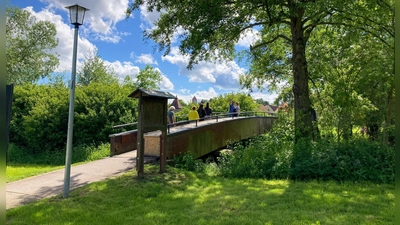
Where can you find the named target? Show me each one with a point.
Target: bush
(357, 161)
(188, 162)
(275, 156)
(40, 115)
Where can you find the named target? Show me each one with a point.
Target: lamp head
(76, 14)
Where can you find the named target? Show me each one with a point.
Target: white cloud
(184, 91)
(248, 37)
(184, 95)
(146, 59)
(266, 96)
(222, 75)
(101, 17)
(166, 84)
(206, 94)
(124, 69)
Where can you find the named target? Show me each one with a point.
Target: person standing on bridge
(208, 111)
(201, 111)
(231, 108)
(237, 109)
(193, 114)
(171, 115)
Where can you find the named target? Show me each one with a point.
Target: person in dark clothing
(201, 111)
(208, 111)
(231, 108)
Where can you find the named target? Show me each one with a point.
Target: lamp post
(76, 15)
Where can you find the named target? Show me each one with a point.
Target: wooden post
(140, 141)
(163, 155)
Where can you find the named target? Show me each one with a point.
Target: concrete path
(51, 184)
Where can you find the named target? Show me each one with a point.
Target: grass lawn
(16, 171)
(182, 197)
(32, 165)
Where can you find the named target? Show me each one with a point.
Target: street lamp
(76, 15)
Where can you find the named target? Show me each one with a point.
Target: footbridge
(196, 137)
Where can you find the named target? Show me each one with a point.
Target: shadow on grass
(180, 197)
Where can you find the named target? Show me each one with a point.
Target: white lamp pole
(76, 15)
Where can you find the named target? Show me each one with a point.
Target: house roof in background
(176, 103)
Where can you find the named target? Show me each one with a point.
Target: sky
(120, 43)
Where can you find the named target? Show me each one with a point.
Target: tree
(221, 102)
(210, 30)
(352, 60)
(262, 101)
(28, 47)
(94, 70)
(149, 78)
(339, 79)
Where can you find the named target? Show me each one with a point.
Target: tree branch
(271, 41)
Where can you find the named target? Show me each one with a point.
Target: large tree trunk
(302, 106)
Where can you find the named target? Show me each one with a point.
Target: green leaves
(149, 78)
(28, 45)
(94, 70)
(40, 115)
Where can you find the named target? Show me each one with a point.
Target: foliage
(262, 101)
(98, 108)
(275, 156)
(94, 70)
(40, 115)
(209, 30)
(221, 102)
(28, 47)
(188, 162)
(149, 78)
(342, 75)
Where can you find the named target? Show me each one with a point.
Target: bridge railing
(216, 116)
(220, 115)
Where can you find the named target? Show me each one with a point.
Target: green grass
(23, 164)
(182, 197)
(16, 172)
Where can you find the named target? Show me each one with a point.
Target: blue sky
(120, 44)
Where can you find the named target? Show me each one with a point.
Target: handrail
(220, 115)
(124, 125)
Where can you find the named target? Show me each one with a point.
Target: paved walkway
(51, 184)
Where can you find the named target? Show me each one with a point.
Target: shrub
(40, 115)
(357, 161)
(275, 156)
(188, 162)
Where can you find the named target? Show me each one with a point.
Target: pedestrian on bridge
(237, 109)
(231, 108)
(208, 111)
(171, 115)
(193, 114)
(202, 112)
